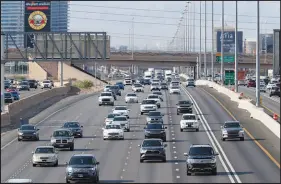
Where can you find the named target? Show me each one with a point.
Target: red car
(10, 89)
(251, 83)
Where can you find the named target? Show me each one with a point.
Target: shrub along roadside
(85, 84)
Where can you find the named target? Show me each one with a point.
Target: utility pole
(185, 29)
(212, 55)
(205, 45)
(222, 44)
(258, 57)
(189, 26)
(194, 27)
(133, 38)
(200, 44)
(236, 46)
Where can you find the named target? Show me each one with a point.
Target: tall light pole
(133, 38)
(212, 55)
(194, 27)
(222, 43)
(189, 26)
(205, 45)
(258, 57)
(200, 44)
(236, 46)
(185, 29)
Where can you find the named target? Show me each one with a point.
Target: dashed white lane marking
(172, 130)
(175, 157)
(121, 177)
(123, 170)
(174, 142)
(134, 135)
(178, 177)
(177, 169)
(130, 147)
(173, 134)
(176, 163)
(83, 152)
(173, 138)
(174, 147)
(175, 152)
(126, 163)
(127, 158)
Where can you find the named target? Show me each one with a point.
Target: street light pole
(258, 57)
(194, 27)
(133, 38)
(236, 46)
(212, 55)
(185, 30)
(200, 44)
(205, 45)
(222, 43)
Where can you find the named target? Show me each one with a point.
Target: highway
(119, 160)
(272, 104)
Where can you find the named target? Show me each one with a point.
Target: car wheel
(104, 139)
(112, 104)
(178, 113)
(97, 179)
(165, 139)
(141, 113)
(71, 147)
(214, 171)
(99, 104)
(164, 160)
(19, 139)
(223, 139)
(57, 163)
(242, 139)
(181, 130)
(33, 165)
(187, 172)
(66, 180)
(128, 130)
(37, 138)
(126, 102)
(197, 129)
(81, 136)
(141, 160)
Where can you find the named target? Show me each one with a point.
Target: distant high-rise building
(123, 48)
(266, 43)
(250, 46)
(59, 16)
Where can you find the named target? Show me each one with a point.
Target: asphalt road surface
(119, 160)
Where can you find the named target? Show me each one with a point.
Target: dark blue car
(120, 84)
(15, 95)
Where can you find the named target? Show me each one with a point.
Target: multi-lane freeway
(239, 161)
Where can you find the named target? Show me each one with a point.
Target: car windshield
(61, 134)
(111, 116)
(31, 81)
(201, 151)
(107, 86)
(29, 127)
(190, 80)
(175, 87)
(105, 94)
(131, 94)
(232, 125)
(112, 127)
(119, 83)
(138, 85)
(152, 96)
(120, 119)
(148, 102)
(154, 84)
(154, 126)
(189, 117)
(154, 114)
(7, 95)
(163, 84)
(14, 93)
(71, 125)
(120, 108)
(81, 160)
(149, 143)
(157, 93)
(23, 83)
(174, 82)
(184, 102)
(114, 87)
(46, 81)
(45, 150)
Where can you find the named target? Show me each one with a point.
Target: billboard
(276, 64)
(229, 41)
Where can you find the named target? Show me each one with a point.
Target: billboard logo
(37, 20)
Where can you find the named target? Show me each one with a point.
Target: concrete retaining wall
(5, 119)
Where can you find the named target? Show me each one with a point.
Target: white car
(189, 121)
(137, 88)
(122, 110)
(262, 88)
(45, 155)
(160, 95)
(131, 98)
(113, 131)
(155, 98)
(128, 81)
(106, 98)
(123, 121)
(155, 86)
(106, 88)
(110, 117)
(174, 89)
(46, 84)
(270, 86)
(148, 105)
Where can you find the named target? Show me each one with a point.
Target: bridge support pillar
(108, 69)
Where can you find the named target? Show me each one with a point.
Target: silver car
(232, 130)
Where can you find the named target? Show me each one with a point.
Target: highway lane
(249, 161)
(271, 103)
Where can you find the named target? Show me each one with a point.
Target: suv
(152, 149)
(190, 82)
(106, 98)
(45, 155)
(75, 128)
(155, 86)
(115, 89)
(32, 84)
(159, 93)
(155, 130)
(275, 91)
(62, 138)
(155, 98)
(251, 83)
(147, 106)
(189, 122)
(184, 106)
(232, 130)
(8, 97)
(82, 167)
(47, 84)
(202, 158)
(154, 116)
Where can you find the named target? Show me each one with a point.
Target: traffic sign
(226, 59)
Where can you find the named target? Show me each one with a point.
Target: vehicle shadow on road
(177, 141)
(117, 181)
(238, 173)
(174, 161)
(85, 149)
(234, 140)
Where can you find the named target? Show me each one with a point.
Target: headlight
(143, 151)
(213, 160)
(20, 133)
(69, 169)
(53, 140)
(241, 131)
(224, 132)
(34, 133)
(100, 100)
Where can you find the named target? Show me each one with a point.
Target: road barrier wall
(256, 112)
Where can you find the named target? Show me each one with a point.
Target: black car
(28, 132)
(164, 85)
(8, 97)
(82, 168)
(24, 85)
(275, 92)
(184, 106)
(154, 115)
(32, 84)
(146, 82)
(115, 89)
(155, 130)
(152, 149)
(75, 128)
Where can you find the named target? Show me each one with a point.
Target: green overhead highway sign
(226, 59)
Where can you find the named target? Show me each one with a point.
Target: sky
(156, 29)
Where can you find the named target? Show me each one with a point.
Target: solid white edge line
(209, 136)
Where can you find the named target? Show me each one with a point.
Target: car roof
(71, 122)
(45, 147)
(28, 125)
(81, 155)
(189, 114)
(131, 94)
(120, 106)
(121, 116)
(154, 139)
(231, 122)
(200, 145)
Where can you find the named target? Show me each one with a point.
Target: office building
(250, 46)
(59, 16)
(266, 44)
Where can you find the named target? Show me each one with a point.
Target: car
(270, 86)
(123, 121)
(110, 117)
(159, 121)
(106, 88)
(28, 132)
(120, 84)
(175, 83)
(148, 105)
(62, 138)
(174, 90)
(106, 98)
(131, 98)
(18, 180)
(262, 88)
(160, 95)
(251, 83)
(75, 128)
(189, 122)
(275, 91)
(155, 130)
(155, 81)
(115, 90)
(156, 98)
(241, 83)
(232, 130)
(122, 110)
(45, 155)
(8, 98)
(190, 82)
(128, 81)
(164, 86)
(155, 86)
(154, 115)
(202, 158)
(7, 84)
(15, 95)
(152, 149)
(184, 106)
(32, 84)
(46, 84)
(83, 168)
(23, 86)
(11, 88)
(137, 88)
(113, 131)
(146, 82)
